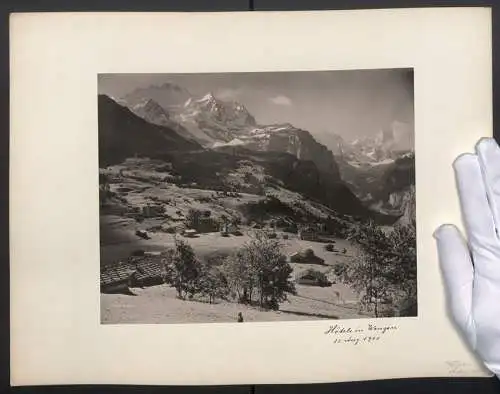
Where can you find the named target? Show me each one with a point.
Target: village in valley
(212, 224)
(207, 216)
(143, 216)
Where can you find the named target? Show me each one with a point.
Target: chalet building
(151, 211)
(148, 272)
(312, 278)
(306, 256)
(308, 233)
(228, 228)
(190, 233)
(207, 225)
(138, 271)
(307, 279)
(142, 234)
(117, 279)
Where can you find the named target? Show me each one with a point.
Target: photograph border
(139, 88)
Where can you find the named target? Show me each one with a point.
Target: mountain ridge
(123, 134)
(213, 123)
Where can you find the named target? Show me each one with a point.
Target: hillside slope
(123, 134)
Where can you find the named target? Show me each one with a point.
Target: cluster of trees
(265, 209)
(201, 221)
(257, 273)
(337, 227)
(385, 273)
(191, 276)
(194, 217)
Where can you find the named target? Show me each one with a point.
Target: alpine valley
(174, 165)
(205, 136)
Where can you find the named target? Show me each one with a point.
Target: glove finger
(476, 211)
(458, 272)
(488, 153)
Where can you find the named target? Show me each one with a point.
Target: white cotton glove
(472, 271)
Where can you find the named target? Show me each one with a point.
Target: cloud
(281, 100)
(228, 94)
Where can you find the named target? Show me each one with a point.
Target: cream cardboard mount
(56, 333)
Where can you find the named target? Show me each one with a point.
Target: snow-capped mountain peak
(386, 145)
(210, 103)
(208, 98)
(148, 104)
(151, 111)
(215, 115)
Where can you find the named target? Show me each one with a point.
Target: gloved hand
(472, 270)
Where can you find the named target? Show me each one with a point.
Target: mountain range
(214, 123)
(380, 170)
(168, 120)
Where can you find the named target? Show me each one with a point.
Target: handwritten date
(358, 335)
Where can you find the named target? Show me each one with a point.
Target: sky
(350, 103)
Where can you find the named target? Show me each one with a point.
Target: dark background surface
(406, 386)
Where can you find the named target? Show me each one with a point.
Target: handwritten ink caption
(362, 334)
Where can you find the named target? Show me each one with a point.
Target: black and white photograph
(257, 197)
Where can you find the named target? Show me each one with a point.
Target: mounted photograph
(257, 197)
